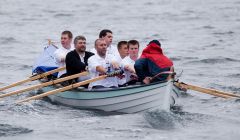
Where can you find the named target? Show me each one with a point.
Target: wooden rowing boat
(131, 99)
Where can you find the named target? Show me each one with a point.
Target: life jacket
(154, 53)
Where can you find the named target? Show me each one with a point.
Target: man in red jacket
(152, 62)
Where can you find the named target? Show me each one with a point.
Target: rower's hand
(129, 68)
(115, 65)
(134, 76)
(147, 80)
(121, 76)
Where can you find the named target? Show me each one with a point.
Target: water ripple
(63, 15)
(208, 27)
(9, 130)
(236, 75)
(8, 40)
(160, 119)
(227, 88)
(224, 33)
(215, 60)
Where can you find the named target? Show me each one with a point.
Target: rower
(122, 53)
(128, 62)
(102, 63)
(60, 54)
(152, 62)
(107, 36)
(77, 60)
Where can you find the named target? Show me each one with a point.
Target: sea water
(201, 37)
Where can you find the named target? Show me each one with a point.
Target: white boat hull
(123, 100)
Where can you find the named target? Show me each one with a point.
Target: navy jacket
(74, 64)
(146, 68)
(152, 62)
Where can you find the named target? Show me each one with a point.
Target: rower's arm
(101, 69)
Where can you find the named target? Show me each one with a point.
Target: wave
(183, 58)
(172, 120)
(227, 88)
(236, 75)
(8, 40)
(9, 130)
(208, 27)
(63, 15)
(160, 119)
(215, 60)
(224, 33)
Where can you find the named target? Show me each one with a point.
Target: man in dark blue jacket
(152, 62)
(77, 60)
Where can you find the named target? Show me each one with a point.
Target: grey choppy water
(202, 37)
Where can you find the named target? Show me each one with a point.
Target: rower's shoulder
(72, 53)
(89, 53)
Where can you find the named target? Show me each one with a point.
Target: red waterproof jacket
(155, 54)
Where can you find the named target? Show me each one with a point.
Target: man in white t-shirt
(122, 53)
(102, 63)
(107, 35)
(122, 50)
(129, 61)
(60, 54)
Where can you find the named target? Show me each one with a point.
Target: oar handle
(163, 73)
(115, 73)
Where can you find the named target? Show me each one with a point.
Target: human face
(108, 38)
(133, 50)
(80, 46)
(66, 41)
(101, 48)
(123, 51)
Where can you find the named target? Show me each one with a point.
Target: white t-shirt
(122, 80)
(112, 50)
(60, 54)
(127, 61)
(95, 61)
(93, 50)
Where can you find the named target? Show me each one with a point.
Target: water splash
(160, 119)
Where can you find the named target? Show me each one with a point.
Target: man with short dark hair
(107, 36)
(60, 53)
(77, 60)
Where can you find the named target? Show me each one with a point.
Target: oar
(69, 87)
(32, 78)
(157, 75)
(163, 73)
(206, 90)
(62, 89)
(45, 84)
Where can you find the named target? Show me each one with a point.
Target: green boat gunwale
(119, 88)
(87, 94)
